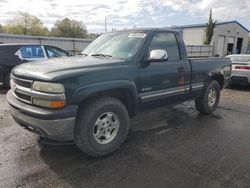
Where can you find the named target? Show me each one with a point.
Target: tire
(7, 80)
(229, 84)
(90, 126)
(206, 103)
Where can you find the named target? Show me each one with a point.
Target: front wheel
(102, 126)
(208, 101)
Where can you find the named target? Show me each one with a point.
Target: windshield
(241, 59)
(118, 45)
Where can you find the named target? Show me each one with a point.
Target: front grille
(19, 86)
(23, 97)
(22, 82)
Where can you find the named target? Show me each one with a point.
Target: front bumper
(54, 124)
(240, 79)
(240, 76)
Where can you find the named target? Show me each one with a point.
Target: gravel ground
(168, 147)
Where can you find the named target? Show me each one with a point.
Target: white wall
(193, 36)
(231, 31)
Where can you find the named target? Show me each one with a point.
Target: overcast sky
(129, 13)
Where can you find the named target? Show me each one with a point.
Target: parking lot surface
(169, 147)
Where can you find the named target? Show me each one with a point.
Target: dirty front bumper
(54, 124)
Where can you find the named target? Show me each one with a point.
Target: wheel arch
(217, 77)
(126, 92)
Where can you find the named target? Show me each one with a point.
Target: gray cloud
(96, 7)
(127, 13)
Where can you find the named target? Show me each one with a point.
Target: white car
(240, 69)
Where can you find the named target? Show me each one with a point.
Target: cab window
(55, 52)
(32, 52)
(166, 41)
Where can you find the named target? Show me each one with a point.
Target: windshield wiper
(102, 55)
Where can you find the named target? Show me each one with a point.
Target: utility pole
(105, 24)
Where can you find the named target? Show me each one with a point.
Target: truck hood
(62, 67)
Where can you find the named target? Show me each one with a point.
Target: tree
(69, 28)
(26, 24)
(209, 30)
(1, 28)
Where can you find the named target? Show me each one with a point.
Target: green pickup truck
(89, 99)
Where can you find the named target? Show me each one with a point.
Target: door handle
(181, 69)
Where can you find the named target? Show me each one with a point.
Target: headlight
(48, 87)
(53, 90)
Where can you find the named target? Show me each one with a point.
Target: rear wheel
(208, 101)
(101, 126)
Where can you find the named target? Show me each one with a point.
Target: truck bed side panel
(204, 69)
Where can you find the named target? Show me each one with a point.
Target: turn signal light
(57, 104)
(49, 104)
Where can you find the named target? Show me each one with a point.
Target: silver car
(240, 69)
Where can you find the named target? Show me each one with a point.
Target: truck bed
(209, 66)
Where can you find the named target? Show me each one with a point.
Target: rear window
(55, 52)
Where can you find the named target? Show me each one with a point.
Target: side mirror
(158, 56)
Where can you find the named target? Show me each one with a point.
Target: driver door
(167, 78)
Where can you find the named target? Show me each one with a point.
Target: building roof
(204, 25)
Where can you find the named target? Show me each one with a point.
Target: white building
(229, 37)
